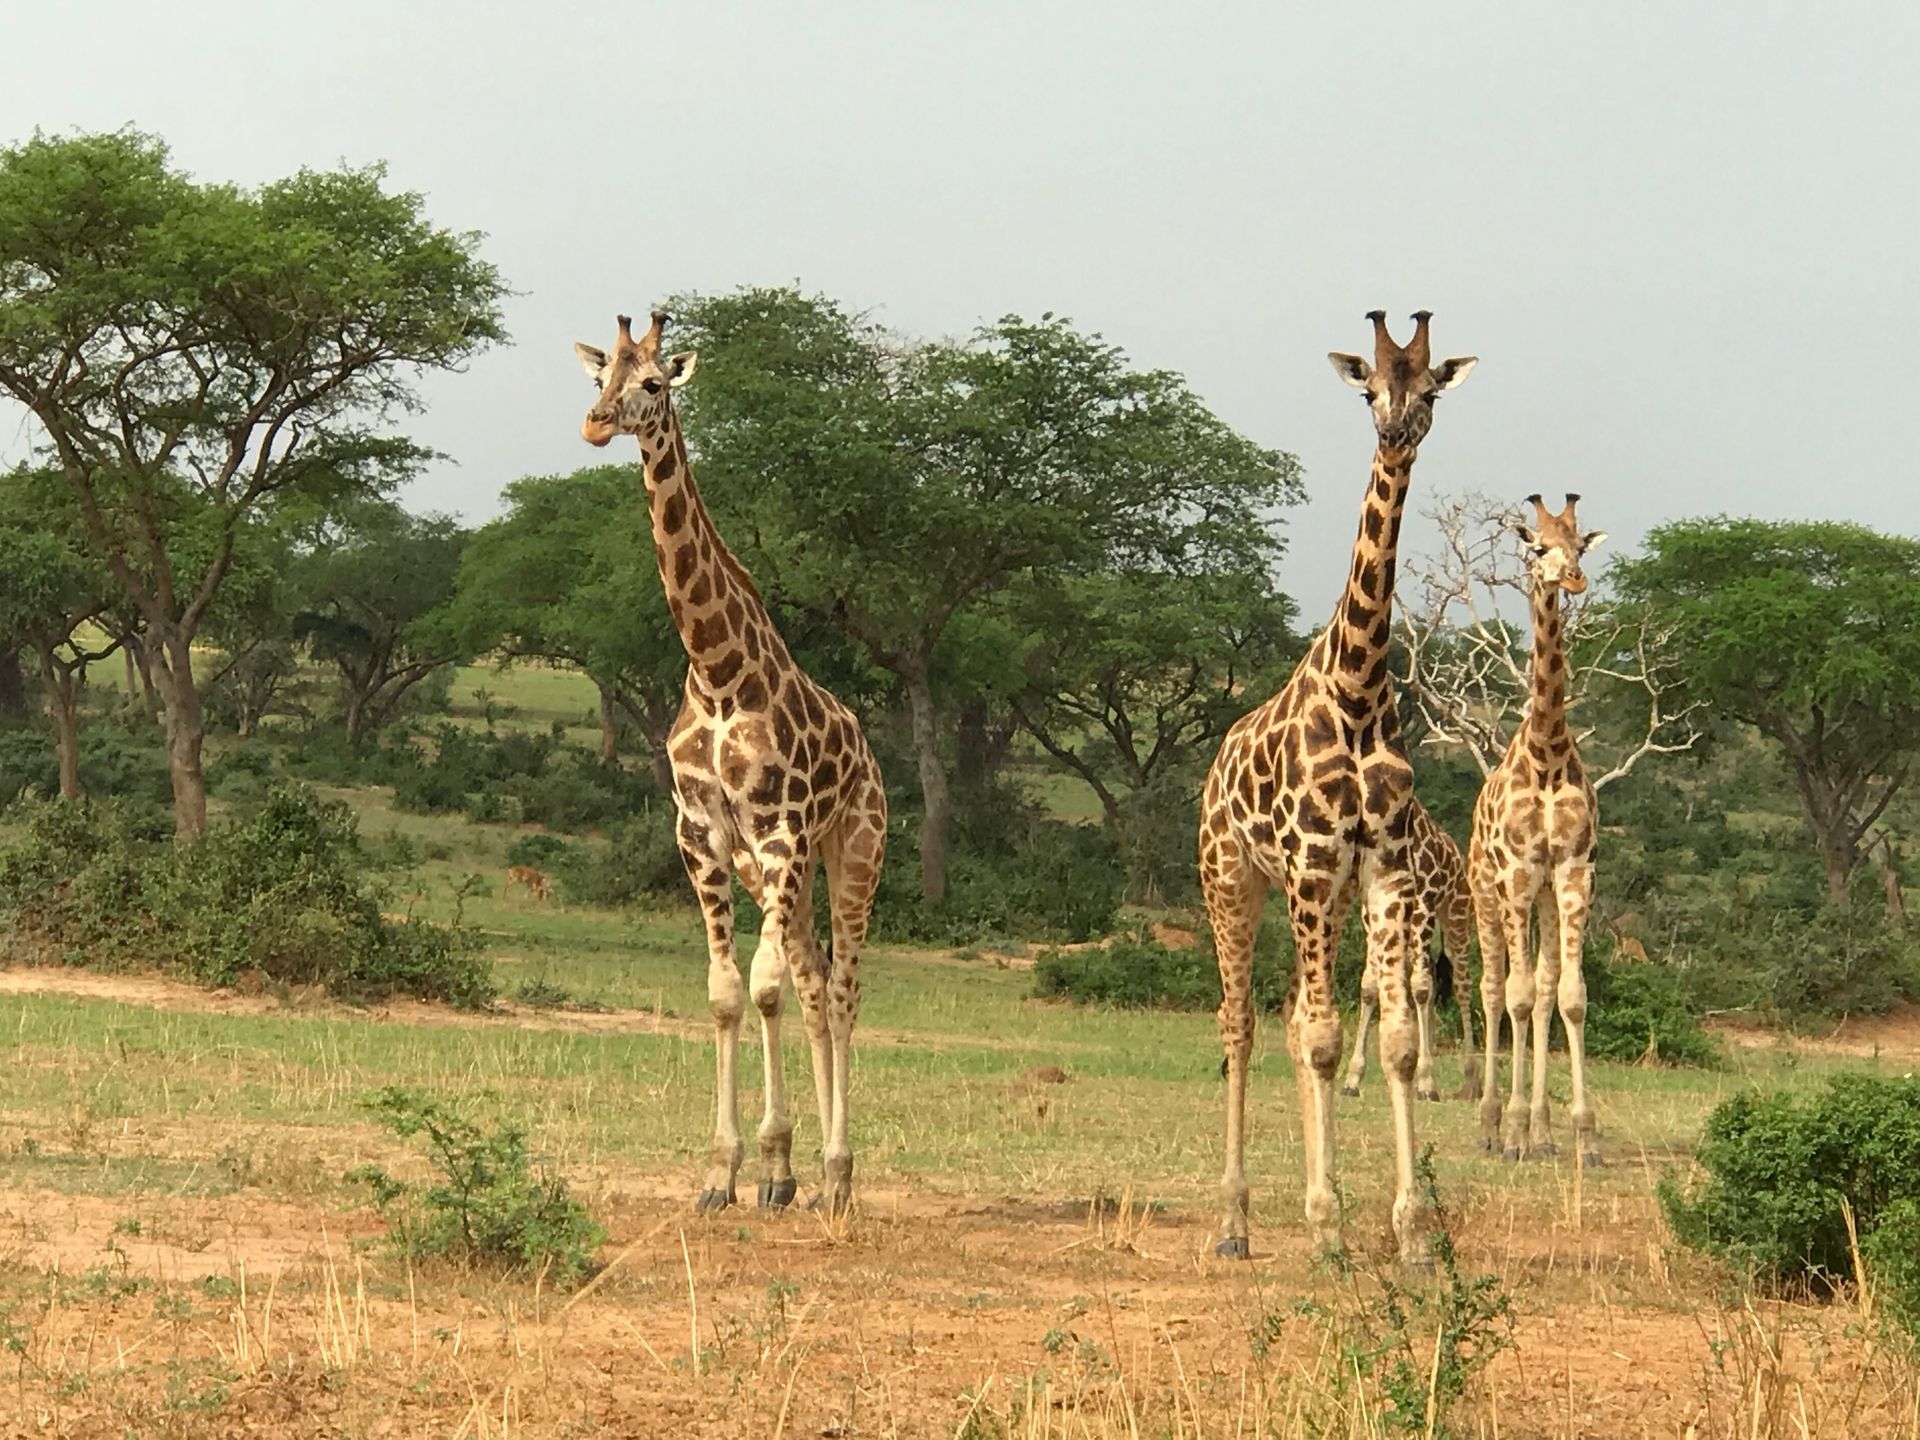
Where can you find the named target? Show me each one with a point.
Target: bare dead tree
(1463, 622)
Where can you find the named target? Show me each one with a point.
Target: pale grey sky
(1680, 238)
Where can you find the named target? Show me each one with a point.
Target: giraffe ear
(1526, 534)
(1449, 373)
(1591, 539)
(591, 360)
(680, 368)
(1350, 368)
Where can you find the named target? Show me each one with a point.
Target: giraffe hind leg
(1235, 894)
(854, 854)
(726, 1000)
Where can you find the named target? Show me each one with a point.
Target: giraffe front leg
(1235, 894)
(1519, 999)
(783, 897)
(1574, 889)
(726, 1000)
(1547, 975)
(1392, 927)
(1421, 978)
(1369, 1004)
(1493, 979)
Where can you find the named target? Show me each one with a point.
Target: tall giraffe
(1443, 902)
(1532, 849)
(1313, 791)
(771, 776)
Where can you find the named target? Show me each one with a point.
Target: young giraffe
(1312, 791)
(1532, 848)
(771, 775)
(1442, 901)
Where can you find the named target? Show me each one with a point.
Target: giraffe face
(634, 382)
(1555, 546)
(1401, 393)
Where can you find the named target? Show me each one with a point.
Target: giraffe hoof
(1593, 1161)
(1545, 1150)
(1350, 1091)
(1234, 1247)
(1510, 1153)
(778, 1194)
(1418, 1267)
(1426, 1094)
(713, 1200)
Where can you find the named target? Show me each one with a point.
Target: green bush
(543, 852)
(1638, 1012)
(1012, 872)
(488, 1205)
(1892, 1252)
(1778, 1166)
(114, 763)
(639, 861)
(1134, 970)
(518, 776)
(285, 891)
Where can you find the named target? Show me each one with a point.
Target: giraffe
(1442, 901)
(771, 777)
(1532, 850)
(1312, 791)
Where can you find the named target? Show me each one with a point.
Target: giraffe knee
(1399, 1049)
(1573, 998)
(1320, 1045)
(726, 996)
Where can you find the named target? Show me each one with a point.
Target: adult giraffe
(1313, 792)
(771, 776)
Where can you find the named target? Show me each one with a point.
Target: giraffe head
(633, 381)
(1402, 382)
(1554, 546)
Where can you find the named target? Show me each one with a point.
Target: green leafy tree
(1810, 632)
(1132, 678)
(894, 484)
(193, 355)
(568, 575)
(51, 587)
(376, 592)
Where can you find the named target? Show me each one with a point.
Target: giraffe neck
(1357, 639)
(711, 597)
(1547, 708)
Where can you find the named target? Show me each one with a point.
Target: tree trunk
(933, 785)
(63, 709)
(609, 727)
(970, 758)
(171, 666)
(13, 688)
(1839, 868)
(1883, 857)
(133, 673)
(356, 716)
(149, 687)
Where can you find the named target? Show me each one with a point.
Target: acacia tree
(1133, 675)
(892, 484)
(1809, 631)
(193, 354)
(1468, 652)
(50, 588)
(568, 575)
(375, 588)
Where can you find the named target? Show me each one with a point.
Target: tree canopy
(1810, 632)
(194, 352)
(893, 483)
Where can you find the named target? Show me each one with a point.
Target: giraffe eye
(650, 385)
(1540, 550)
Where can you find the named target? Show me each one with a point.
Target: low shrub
(1777, 1168)
(488, 1205)
(1135, 970)
(1012, 872)
(1892, 1253)
(114, 763)
(285, 891)
(639, 861)
(542, 852)
(1639, 1012)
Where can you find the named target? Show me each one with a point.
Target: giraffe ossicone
(1531, 859)
(1313, 792)
(772, 779)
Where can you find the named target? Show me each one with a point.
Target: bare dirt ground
(919, 1315)
(965, 1316)
(1894, 1035)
